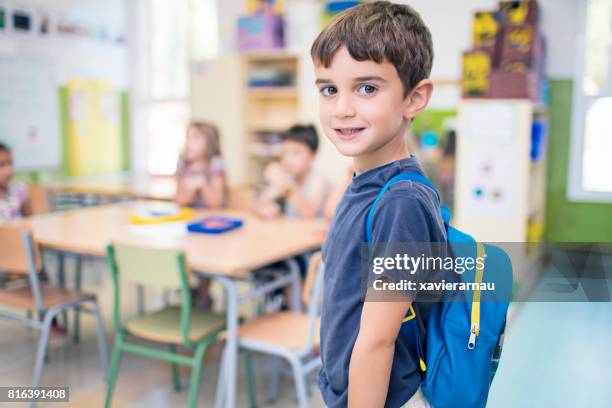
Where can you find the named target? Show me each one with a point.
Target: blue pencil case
(214, 225)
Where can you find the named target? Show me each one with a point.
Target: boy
(372, 64)
(294, 186)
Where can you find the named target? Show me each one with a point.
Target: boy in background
(372, 64)
(294, 187)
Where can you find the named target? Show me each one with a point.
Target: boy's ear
(418, 98)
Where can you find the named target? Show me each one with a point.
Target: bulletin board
(29, 113)
(94, 136)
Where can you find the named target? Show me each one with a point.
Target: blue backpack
(464, 338)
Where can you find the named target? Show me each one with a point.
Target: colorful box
(476, 73)
(261, 31)
(487, 34)
(519, 12)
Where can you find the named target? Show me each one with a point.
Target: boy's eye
(366, 89)
(328, 91)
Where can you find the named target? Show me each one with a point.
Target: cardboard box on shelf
(519, 12)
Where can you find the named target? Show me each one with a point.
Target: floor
(556, 354)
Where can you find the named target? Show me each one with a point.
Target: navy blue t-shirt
(407, 212)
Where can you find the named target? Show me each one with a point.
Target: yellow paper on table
(160, 217)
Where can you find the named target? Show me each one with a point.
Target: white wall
(70, 57)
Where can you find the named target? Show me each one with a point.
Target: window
(591, 147)
(170, 35)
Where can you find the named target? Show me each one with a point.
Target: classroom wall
(70, 57)
(569, 221)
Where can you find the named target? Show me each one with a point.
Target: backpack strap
(444, 211)
(407, 176)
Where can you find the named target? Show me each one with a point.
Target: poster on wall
(94, 137)
(29, 113)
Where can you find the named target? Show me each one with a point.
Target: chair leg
(176, 376)
(77, 312)
(114, 368)
(61, 277)
(195, 375)
(300, 381)
(41, 318)
(102, 344)
(42, 347)
(274, 379)
(248, 362)
(220, 396)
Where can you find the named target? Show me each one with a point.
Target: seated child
(294, 187)
(200, 179)
(200, 174)
(14, 201)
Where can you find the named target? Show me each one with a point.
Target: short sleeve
(21, 193)
(408, 241)
(217, 167)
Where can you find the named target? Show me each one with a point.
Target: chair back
(162, 268)
(311, 296)
(18, 253)
(39, 199)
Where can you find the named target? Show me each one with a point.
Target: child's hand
(277, 177)
(195, 182)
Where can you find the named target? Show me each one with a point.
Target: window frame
(580, 103)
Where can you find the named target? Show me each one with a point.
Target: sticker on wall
(497, 194)
(2, 18)
(487, 168)
(22, 21)
(490, 196)
(44, 25)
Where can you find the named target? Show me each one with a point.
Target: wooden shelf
(272, 92)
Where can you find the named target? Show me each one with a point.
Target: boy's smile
(362, 108)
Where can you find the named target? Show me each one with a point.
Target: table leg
(296, 285)
(61, 277)
(140, 298)
(77, 286)
(230, 359)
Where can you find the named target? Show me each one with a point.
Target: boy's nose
(344, 107)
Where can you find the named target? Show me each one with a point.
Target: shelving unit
(499, 190)
(252, 98)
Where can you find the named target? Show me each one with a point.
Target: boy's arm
(372, 356)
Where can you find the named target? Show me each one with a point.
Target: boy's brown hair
(377, 31)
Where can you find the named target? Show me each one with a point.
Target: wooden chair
(288, 335)
(39, 198)
(172, 326)
(19, 254)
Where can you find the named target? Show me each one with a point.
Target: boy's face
(362, 104)
(6, 168)
(296, 158)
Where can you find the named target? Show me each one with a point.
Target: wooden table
(224, 257)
